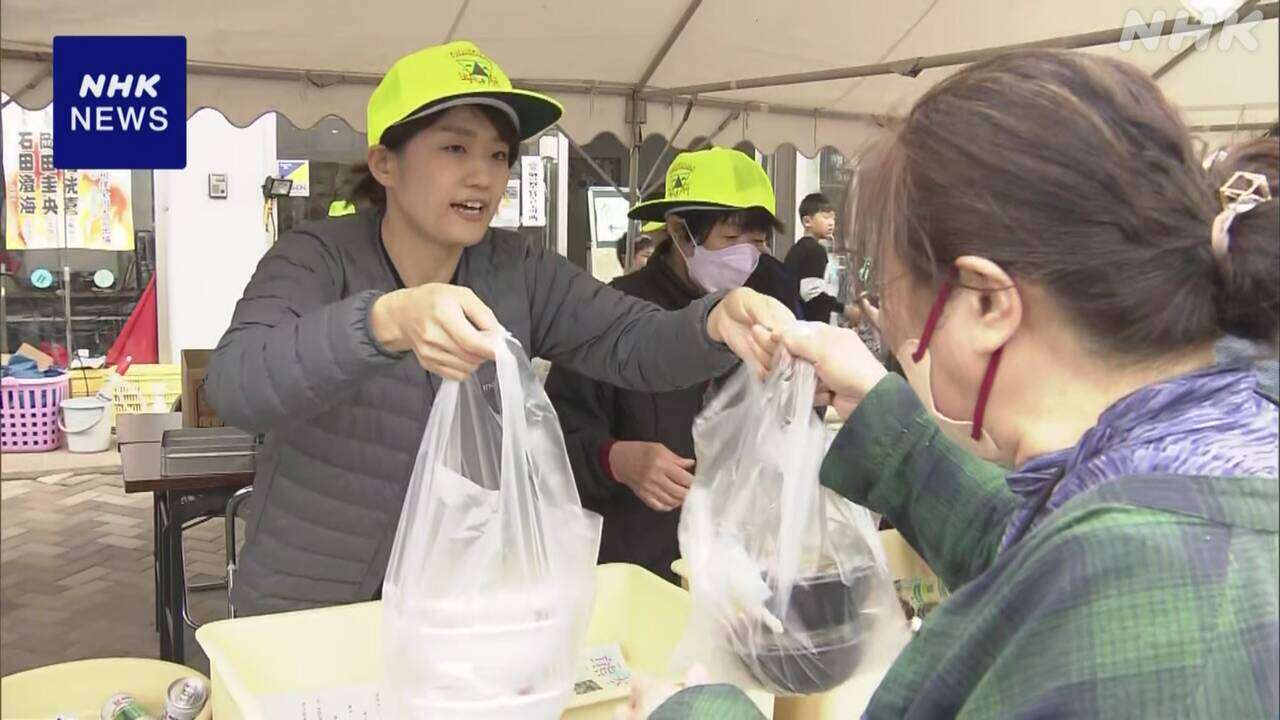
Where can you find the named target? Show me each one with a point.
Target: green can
(921, 594)
(123, 706)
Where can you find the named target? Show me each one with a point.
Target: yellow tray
(143, 384)
(80, 688)
(337, 646)
(86, 381)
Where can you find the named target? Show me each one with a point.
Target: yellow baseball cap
(654, 226)
(444, 76)
(338, 208)
(712, 179)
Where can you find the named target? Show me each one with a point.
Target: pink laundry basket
(29, 413)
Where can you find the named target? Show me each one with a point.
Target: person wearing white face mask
(632, 452)
(1056, 270)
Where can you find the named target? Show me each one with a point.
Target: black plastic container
(823, 602)
(821, 642)
(814, 663)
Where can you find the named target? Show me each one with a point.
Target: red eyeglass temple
(931, 324)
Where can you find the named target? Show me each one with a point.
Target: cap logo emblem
(679, 184)
(474, 68)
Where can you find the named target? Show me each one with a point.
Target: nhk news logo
(120, 102)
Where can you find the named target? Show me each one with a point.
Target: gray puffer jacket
(343, 418)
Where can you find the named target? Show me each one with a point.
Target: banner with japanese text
(47, 208)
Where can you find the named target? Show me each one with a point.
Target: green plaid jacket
(1143, 597)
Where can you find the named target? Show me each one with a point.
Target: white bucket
(84, 423)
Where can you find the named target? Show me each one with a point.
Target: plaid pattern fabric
(1145, 596)
(1209, 422)
(709, 702)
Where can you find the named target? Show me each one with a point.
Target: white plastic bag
(492, 576)
(790, 589)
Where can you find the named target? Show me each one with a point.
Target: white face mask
(968, 434)
(725, 269)
(959, 432)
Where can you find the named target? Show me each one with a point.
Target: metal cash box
(208, 451)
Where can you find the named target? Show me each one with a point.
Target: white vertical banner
(533, 192)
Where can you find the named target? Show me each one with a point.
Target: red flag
(138, 337)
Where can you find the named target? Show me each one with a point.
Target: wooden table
(177, 502)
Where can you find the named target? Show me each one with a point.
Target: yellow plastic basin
(338, 646)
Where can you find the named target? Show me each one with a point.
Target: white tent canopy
(308, 59)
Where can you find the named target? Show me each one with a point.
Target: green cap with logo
(437, 78)
(712, 179)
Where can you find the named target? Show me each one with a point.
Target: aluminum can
(185, 698)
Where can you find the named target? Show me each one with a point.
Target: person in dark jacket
(808, 259)
(632, 451)
(348, 326)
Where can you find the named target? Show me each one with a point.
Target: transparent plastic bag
(492, 576)
(791, 592)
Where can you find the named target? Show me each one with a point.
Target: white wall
(206, 249)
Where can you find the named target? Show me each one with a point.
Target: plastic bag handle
(517, 499)
(443, 406)
(785, 373)
(794, 381)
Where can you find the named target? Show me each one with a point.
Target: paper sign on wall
(299, 171)
(608, 215)
(533, 192)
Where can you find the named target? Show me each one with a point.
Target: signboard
(608, 215)
(533, 192)
(50, 208)
(299, 171)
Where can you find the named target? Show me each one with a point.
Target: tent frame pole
(323, 79)
(637, 111)
(591, 162)
(911, 67)
(457, 20)
(649, 182)
(667, 44)
(1231, 127)
(1242, 11)
(31, 84)
(734, 115)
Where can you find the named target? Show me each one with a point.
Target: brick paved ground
(76, 572)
